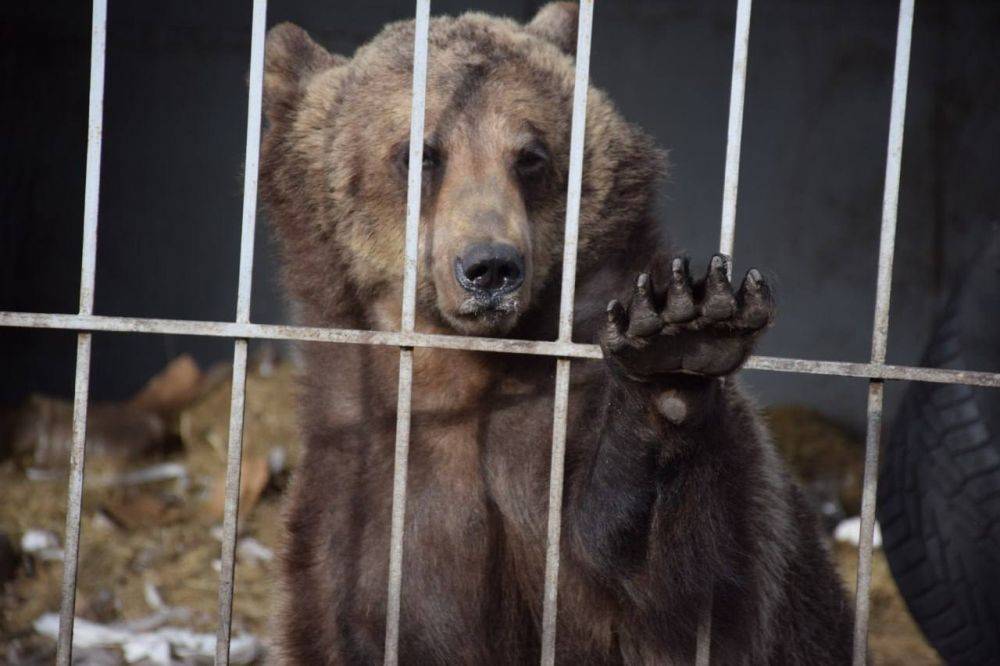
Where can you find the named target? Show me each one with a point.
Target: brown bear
(675, 500)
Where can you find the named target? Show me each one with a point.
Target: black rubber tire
(939, 491)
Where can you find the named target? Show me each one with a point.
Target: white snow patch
(849, 531)
(158, 647)
(43, 543)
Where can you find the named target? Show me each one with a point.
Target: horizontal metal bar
(873, 371)
(218, 329)
(301, 333)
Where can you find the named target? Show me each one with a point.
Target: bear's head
(495, 169)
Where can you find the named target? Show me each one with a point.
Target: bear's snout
(489, 270)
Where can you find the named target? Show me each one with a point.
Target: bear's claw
(691, 327)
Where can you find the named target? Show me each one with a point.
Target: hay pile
(164, 534)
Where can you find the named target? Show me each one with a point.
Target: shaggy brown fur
(674, 497)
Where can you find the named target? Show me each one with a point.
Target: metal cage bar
(223, 329)
(560, 405)
(406, 339)
(880, 329)
(234, 452)
(81, 386)
(727, 230)
(734, 134)
(408, 319)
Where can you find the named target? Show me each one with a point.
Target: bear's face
(492, 189)
(496, 135)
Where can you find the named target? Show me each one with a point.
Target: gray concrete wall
(810, 191)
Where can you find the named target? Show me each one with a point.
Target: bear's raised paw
(695, 328)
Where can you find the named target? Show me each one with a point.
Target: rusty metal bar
(880, 330)
(234, 452)
(407, 322)
(561, 402)
(81, 387)
(496, 345)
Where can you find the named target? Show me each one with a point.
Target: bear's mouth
(490, 306)
(496, 307)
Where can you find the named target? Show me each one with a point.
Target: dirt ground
(160, 538)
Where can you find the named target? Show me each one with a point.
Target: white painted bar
(581, 86)
(234, 453)
(734, 135)
(408, 319)
(81, 388)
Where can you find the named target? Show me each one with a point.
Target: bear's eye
(532, 160)
(432, 158)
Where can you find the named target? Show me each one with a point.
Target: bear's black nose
(490, 269)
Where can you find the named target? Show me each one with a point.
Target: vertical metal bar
(81, 388)
(407, 323)
(864, 578)
(734, 135)
(415, 172)
(575, 185)
(560, 409)
(561, 401)
(727, 232)
(893, 166)
(234, 457)
(74, 499)
(890, 205)
(403, 406)
(703, 644)
(251, 165)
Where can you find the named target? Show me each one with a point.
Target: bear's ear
(291, 58)
(556, 22)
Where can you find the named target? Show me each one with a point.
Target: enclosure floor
(161, 534)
